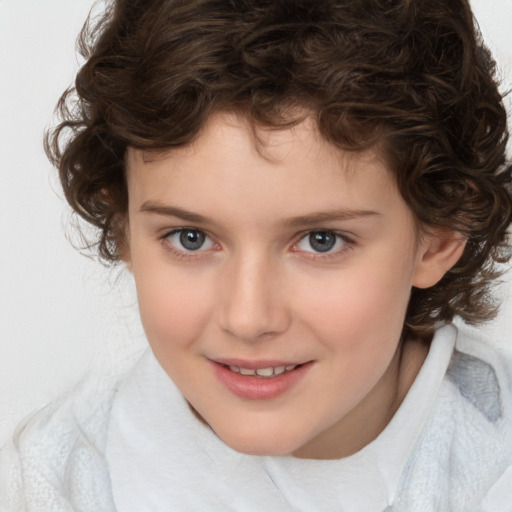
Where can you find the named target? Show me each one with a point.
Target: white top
(159, 453)
(134, 445)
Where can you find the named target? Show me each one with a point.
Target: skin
(257, 289)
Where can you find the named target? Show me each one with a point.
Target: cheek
(356, 307)
(173, 308)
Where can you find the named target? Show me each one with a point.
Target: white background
(62, 314)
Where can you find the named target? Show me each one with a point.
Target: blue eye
(321, 242)
(189, 239)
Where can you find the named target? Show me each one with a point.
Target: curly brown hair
(412, 75)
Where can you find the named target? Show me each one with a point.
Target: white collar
(161, 457)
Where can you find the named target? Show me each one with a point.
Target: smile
(264, 381)
(263, 372)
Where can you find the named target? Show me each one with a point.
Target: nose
(252, 303)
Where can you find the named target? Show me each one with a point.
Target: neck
(370, 417)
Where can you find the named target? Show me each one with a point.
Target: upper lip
(255, 364)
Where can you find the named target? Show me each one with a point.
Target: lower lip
(259, 388)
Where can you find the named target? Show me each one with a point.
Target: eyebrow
(328, 216)
(294, 222)
(172, 211)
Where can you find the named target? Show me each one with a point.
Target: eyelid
(348, 244)
(338, 237)
(183, 253)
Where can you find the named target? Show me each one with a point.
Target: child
(306, 193)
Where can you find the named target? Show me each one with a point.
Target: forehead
(273, 145)
(235, 159)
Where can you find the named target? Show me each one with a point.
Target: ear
(438, 252)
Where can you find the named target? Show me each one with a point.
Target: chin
(260, 448)
(259, 443)
(255, 442)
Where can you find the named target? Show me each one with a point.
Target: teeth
(263, 372)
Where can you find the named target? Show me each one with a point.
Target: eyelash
(183, 254)
(189, 255)
(347, 244)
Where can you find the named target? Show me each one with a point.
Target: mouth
(259, 380)
(264, 373)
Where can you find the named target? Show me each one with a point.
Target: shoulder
(463, 458)
(481, 376)
(55, 459)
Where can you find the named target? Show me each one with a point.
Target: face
(273, 282)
